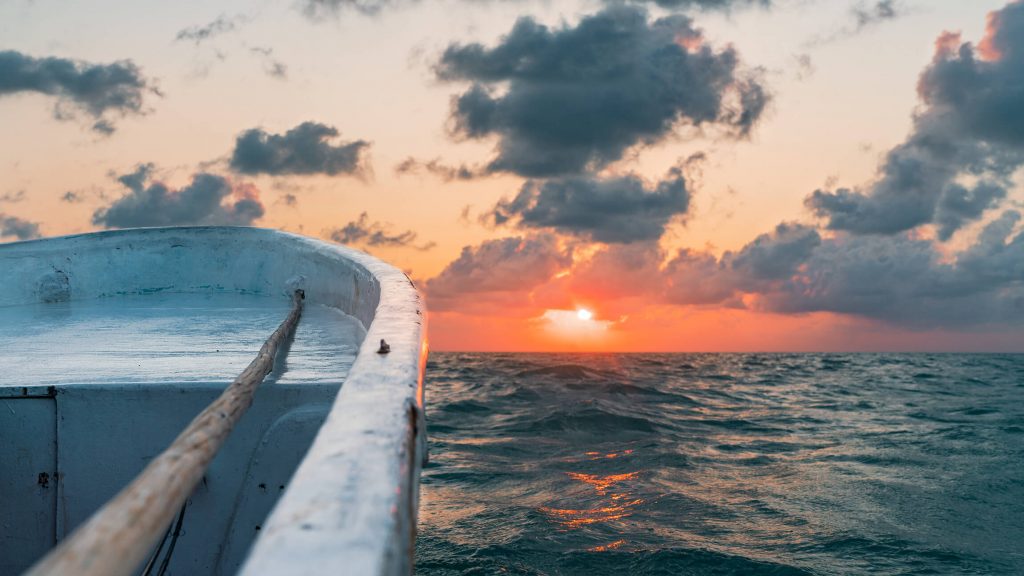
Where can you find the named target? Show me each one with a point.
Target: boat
(125, 443)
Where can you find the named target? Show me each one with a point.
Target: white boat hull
(114, 341)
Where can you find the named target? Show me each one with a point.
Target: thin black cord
(167, 559)
(152, 559)
(174, 540)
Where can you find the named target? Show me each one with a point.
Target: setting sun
(584, 314)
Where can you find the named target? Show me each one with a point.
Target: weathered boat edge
(351, 506)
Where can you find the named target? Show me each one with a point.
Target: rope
(117, 538)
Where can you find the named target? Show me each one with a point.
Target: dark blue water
(724, 464)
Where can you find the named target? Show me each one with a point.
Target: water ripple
(723, 464)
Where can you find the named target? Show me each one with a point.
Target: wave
(449, 559)
(738, 464)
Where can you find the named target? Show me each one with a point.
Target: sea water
(723, 464)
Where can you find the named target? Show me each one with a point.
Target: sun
(584, 314)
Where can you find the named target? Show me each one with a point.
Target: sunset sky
(700, 175)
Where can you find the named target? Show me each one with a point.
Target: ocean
(720, 464)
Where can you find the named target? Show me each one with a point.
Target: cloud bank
(208, 200)
(899, 280)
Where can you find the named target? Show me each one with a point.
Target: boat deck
(168, 339)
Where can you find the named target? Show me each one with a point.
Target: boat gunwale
(351, 505)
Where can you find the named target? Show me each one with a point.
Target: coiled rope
(118, 537)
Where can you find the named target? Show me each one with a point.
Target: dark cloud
(12, 226)
(698, 278)
(303, 150)
(509, 266)
(577, 98)
(621, 209)
(959, 205)
(363, 232)
(897, 279)
(775, 256)
(99, 90)
(971, 126)
(208, 200)
(903, 280)
(437, 168)
(222, 25)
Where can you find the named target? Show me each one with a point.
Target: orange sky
(840, 95)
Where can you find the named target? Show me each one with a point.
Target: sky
(644, 175)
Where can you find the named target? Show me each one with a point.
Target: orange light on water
(602, 483)
(607, 547)
(586, 517)
(614, 506)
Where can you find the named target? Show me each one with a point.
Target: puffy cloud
(619, 209)
(209, 199)
(775, 256)
(578, 97)
(699, 278)
(302, 150)
(20, 229)
(366, 233)
(504, 269)
(99, 90)
(971, 128)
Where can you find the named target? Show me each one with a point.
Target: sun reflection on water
(615, 500)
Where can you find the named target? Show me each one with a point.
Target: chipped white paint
(351, 506)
